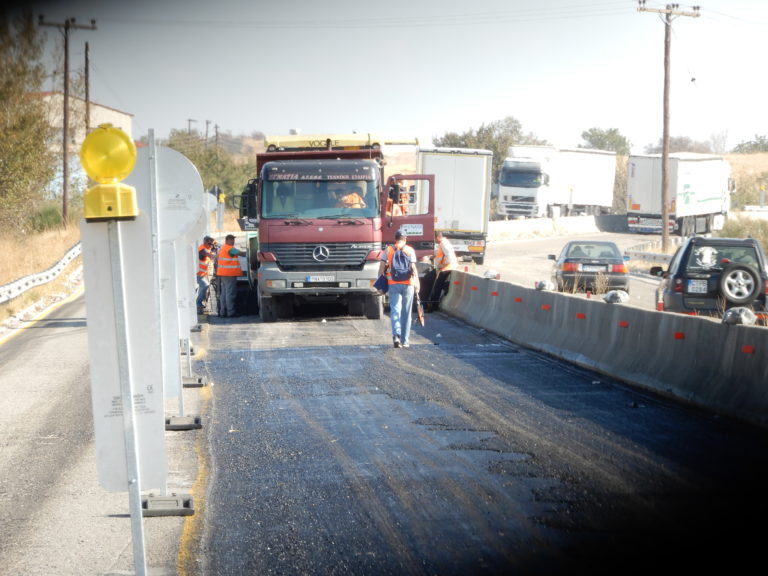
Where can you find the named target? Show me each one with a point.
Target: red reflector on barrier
(623, 324)
(748, 349)
(581, 315)
(473, 288)
(494, 293)
(518, 299)
(679, 335)
(545, 306)
(457, 282)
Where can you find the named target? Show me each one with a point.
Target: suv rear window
(707, 257)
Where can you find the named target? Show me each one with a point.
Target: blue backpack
(401, 266)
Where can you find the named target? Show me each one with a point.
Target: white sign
(143, 349)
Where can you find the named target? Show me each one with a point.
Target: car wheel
(739, 284)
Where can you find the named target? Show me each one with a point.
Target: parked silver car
(596, 266)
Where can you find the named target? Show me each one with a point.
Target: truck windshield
(518, 179)
(320, 199)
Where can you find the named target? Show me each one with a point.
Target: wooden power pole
(671, 11)
(69, 24)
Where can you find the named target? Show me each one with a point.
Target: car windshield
(320, 199)
(592, 250)
(706, 257)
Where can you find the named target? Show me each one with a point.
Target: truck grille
(341, 256)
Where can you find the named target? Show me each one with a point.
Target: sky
(423, 68)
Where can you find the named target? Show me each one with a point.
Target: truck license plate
(320, 278)
(697, 286)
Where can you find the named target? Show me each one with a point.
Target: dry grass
(33, 254)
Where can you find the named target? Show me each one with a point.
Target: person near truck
(445, 260)
(400, 291)
(228, 270)
(205, 254)
(350, 197)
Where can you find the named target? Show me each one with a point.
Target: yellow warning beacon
(108, 156)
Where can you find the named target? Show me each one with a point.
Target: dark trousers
(438, 289)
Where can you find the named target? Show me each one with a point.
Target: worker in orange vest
(205, 254)
(445, 260)
(228, 270)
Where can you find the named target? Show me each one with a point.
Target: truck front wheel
(267, 309)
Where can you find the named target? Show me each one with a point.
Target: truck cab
(317, 220)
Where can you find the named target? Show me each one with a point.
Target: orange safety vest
(202, 265)
(441, 260)
(351, 200)
(228, 265)
(390, 254)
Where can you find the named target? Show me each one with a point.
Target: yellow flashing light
(108, 156)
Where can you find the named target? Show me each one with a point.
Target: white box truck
(463, 185)
(698, 195)
(544, 181)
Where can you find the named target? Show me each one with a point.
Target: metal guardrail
(649, 251)
(18, 287)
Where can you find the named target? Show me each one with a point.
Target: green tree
(215, 165)
(759, 144)
(680, 144)
(610, 139)
(27, 159)
(496, 136)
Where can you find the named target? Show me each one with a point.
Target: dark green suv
(710, 275)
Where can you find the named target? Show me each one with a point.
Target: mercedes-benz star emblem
(321, 253)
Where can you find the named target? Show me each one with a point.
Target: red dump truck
(306, 241)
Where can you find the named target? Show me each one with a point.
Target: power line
(65, 28)
(671, 11)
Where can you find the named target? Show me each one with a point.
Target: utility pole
(671, 11)
(87, 91)
(189, 125)
(69, 24)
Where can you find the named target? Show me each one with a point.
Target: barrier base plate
(173, 505)
(194, 382)
(183, 423)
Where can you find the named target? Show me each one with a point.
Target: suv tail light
(766, 287)
(678, 285)
(620, 269)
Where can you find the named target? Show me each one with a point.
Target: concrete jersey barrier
(719, 367)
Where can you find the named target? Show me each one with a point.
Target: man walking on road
(228, 270)
(399, 263)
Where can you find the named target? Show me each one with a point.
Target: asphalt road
(325, 451)
(332, 453)
(55, 519)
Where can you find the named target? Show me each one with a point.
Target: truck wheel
(267, 310)
(479, 259)
(739, 284)
(373, 306)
